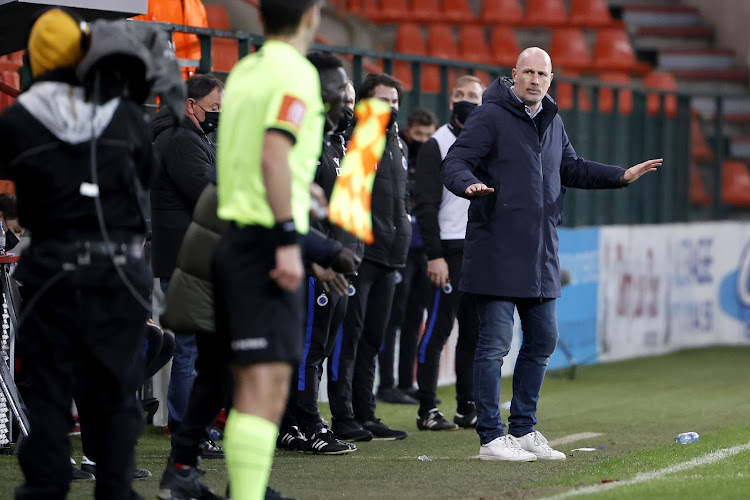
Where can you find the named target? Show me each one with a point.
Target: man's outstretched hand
(478, 189)
(635, 172)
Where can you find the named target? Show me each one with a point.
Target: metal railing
(610, 137)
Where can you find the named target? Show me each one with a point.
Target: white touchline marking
(708, 459)
(575, 437)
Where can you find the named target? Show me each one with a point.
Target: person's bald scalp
(533, 54)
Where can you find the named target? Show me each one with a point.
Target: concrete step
(661, 15)
(694, 59)
(627, 3)
(667, 37)
(706, 106)
(739, 76)
(739, 146)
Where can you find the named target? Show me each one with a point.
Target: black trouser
(407, 313)
(212, 391)
(159, 348)
(325, 315)
(78, 331)
(353, 360)
(444, 310)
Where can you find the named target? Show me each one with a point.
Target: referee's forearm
(277, 176)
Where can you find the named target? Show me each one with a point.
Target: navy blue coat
(511, 238)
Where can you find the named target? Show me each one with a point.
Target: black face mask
(462, 109)
(211, 123)
(347, 116)
(394, 117)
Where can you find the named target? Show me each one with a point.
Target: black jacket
(45, 148)
(511, 237)
(329, 168)
(391, 206)
(187, 161)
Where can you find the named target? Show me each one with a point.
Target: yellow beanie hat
(56, 41)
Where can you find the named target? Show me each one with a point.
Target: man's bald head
(532, 76)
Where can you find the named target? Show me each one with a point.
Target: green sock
(249, 444)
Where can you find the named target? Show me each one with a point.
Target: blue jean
(182, 375)
(539, 326)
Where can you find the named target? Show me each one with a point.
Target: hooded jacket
(187, 161)
(45, 148)
(390, 206)
(511, 237)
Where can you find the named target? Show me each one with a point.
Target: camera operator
(78, 168)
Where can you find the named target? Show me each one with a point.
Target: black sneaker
(435, 421)
(350, 430)
(90, 467)
(324, 442)
(395, 396)
(209, 450)
(183, 484)
(382, 432)
(468, 421)
(290, 439)
(79, 474)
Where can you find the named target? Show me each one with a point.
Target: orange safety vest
(188, 12)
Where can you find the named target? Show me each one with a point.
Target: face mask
(211, 123)
(347, 116)
(394, 117)
(462, 109)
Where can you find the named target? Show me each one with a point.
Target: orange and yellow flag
(351, 199)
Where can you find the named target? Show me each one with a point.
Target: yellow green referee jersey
(277, 89)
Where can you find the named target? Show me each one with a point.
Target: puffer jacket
(189, 302)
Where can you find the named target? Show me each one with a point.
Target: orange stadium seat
(662, 81)
(409, 40)
(735, 183)
(698, 193)
(217, 17)
(545, 13)
(590, 13)
(354, 7)
(607, 95)
(613, 52)
(699, 150)
(441, 42)
(504, 46)
(425, 11)
(389, 11)
(564, 94)
(569, 49)
(458, 12)
(501, 12)
(473, 46)
(224, 51)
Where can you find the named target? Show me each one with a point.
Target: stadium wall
(645, 290)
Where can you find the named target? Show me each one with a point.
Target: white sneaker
(505, 448)
(535, 443)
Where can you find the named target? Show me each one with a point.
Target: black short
(263, 322)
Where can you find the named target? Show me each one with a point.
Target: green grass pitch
(638, 406)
